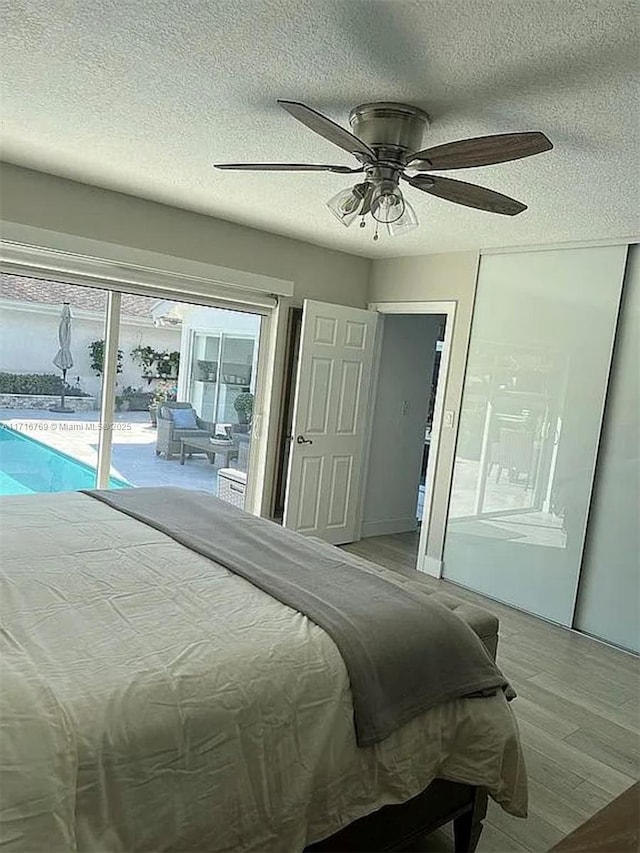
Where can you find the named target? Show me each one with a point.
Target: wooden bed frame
(395, 827)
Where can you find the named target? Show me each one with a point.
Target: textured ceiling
(142, 96)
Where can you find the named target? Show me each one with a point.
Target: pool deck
(133, 450)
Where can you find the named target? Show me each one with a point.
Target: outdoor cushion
(183, 418)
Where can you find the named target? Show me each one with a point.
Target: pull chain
(375, 236)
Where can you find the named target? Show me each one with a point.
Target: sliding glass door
(51, 366)
(176, 409)
(222, 368)
(541, 344)
(185, 392)
(203, 381)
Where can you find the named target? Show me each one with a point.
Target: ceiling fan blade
(286, 167)
(481, 151)
(470, 195)
(329, 129)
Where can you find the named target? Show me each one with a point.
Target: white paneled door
(329, 421)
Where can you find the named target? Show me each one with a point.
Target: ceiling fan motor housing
(394, 131)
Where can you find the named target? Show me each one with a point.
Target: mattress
(152, 700)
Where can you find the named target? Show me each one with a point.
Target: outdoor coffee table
(208, 446)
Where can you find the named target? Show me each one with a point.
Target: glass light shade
(407, 222)
(387, 204)
(346, 204)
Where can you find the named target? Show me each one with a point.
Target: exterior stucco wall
(29, 341)
(211, 321)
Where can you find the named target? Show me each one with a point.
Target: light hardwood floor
(578, 710)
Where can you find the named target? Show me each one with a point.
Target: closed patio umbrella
(63, 358)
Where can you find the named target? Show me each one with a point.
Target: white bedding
(151, 700)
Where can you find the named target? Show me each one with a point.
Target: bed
(152, 699)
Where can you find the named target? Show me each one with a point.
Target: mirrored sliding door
(539, 360)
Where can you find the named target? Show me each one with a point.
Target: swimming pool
(27, 467)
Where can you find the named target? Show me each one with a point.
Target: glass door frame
(255, 498)
(49, 256)
(108, 388)
(184, 383)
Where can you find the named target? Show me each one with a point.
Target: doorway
(404, 430)
(436, 354)
(403, 436)
(407, 421)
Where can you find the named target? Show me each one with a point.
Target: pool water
(27, 467)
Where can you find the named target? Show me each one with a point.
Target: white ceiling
(142, 96)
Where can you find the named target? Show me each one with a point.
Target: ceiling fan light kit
(407, 222)
(386, 142)
(346, 204)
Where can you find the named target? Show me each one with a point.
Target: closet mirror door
(539, 360)
(609, 594)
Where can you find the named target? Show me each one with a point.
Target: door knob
(302, 440)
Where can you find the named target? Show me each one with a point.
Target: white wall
(442, 277)
(609, 596)
(29, 341)
(219, 320)
(399, 421)
(132, 335)
(45, 201)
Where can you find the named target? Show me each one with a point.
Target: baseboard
(388, 527)
(431, 566)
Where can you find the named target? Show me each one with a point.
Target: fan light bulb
(387, 203)
(346, 204)
(407, 222)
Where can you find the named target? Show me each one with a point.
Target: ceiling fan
(386, 141)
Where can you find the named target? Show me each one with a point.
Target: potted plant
(164, 391)
(136, 399)
(243, 404)
(174, 362)
(167, 364)
(145, 357)
(96, 353)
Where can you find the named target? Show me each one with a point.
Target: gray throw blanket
(404, 653)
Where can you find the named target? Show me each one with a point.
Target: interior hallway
(578, 710)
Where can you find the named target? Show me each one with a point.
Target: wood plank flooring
(578, 710)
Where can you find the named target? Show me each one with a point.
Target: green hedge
(37, 384)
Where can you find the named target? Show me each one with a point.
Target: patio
(134, 459)
(133, 455)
